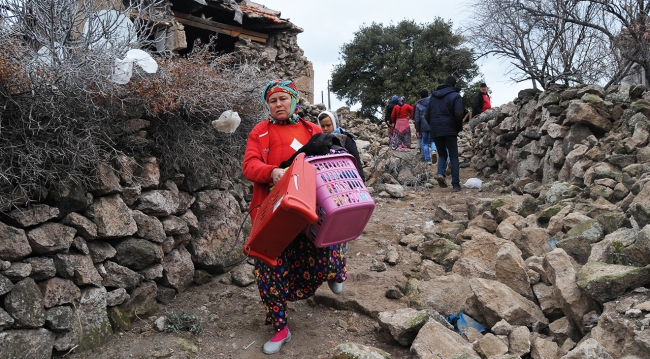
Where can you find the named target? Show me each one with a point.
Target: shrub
(61, 115)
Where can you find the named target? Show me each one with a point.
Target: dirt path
(233, 317)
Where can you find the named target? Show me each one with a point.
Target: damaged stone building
(249, 29)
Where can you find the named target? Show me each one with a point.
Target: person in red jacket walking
(402, 114)
(482, 101)
(302, 267)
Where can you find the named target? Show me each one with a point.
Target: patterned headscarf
(286, 86)
(401, 101)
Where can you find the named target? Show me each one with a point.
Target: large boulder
(445, 294)
(117, 276)
(137, 254)
(178, 269)
(142, 301)
(59, 319)
(149, 227)
(112, 217)
(157, 202)
(13, 243)
(100, 251)
(85, 227)
(26, 343)
(495, 301)
(403, 324)
(605, 282)
(354, 350)
(560, 191)
(589, 348)
(147, 172)
(511, 271)
(91, 315)
(618, 328)
(33, 215)
(640, 207)
(636, 253)
(58, 291)
(581, 113)
(219, 216)
(434, 340)
(479, 256)
(50, 238)
(25, 304)
(77, 267)
(5, 285)
(562, 275)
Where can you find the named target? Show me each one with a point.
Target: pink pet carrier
(343, 203)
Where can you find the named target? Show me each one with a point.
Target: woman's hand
(277, 174)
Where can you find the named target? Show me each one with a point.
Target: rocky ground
(232, 316)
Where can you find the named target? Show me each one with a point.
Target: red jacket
(257, 166)
(402, 111)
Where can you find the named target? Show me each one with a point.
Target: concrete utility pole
(322, 100)
(329, 106)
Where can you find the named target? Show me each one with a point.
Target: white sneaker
(336, 287)
(274, 347)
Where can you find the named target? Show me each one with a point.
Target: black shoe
(441, 181)
(456, 189)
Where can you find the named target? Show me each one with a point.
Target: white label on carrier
(295, 181)
(277, 204)
(296, 145)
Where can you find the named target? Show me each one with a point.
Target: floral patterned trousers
(301, 269)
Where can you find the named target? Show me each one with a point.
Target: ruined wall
(305, 83)
(283, 58)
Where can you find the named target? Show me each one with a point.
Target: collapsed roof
(245, 19)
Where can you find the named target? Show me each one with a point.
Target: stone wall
(590, 138)
(305, 82)
(83, 264)
(281, 57)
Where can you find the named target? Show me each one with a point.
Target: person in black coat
(481, 101)
(445, 117)
(387, 116)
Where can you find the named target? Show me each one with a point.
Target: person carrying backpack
(445, 116)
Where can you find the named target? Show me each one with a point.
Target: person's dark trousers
(447, 146)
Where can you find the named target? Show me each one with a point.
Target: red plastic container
(343, 203)
(285, 212)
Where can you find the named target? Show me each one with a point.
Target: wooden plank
(218, 30)
(230, 30)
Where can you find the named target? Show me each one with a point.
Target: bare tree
(542, 49)
(624, 23)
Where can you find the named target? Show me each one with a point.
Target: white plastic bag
(227, 122)
(473, 183)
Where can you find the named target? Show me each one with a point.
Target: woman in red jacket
(402, 114)
(302, 267)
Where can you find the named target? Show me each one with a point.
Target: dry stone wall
(86, 262)
(588, 139)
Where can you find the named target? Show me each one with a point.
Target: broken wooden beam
(217, 27)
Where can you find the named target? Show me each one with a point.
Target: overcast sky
(329, 24)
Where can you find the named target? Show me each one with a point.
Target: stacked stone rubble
(559, 266)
